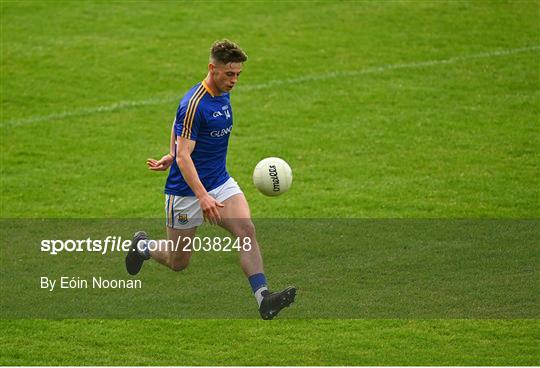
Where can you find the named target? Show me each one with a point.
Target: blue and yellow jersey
(207, 120)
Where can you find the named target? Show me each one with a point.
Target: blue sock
(258, 285)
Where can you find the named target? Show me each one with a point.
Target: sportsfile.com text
(118, 244)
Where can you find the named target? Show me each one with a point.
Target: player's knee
(245, 230)
(179, 265)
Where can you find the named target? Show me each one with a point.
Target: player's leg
(236, 218)
(175, 252)
(183, 215)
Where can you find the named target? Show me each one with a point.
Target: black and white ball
(272, 176)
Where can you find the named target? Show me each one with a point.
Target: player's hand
(160, 165)
(210, 210)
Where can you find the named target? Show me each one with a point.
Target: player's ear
(211, 67)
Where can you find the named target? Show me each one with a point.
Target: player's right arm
(209, 206)
(166, 161)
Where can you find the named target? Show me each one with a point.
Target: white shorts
(186, 213)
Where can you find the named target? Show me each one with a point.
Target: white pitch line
(124, 105)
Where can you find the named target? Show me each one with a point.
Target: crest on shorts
(182, 218)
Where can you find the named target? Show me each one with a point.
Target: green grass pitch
(385, 110)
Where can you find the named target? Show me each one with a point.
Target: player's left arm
(166, 161)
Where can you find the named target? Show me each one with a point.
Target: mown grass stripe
(125, 105)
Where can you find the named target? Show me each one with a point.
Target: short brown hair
(226, 52)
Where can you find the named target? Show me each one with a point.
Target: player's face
(226, 75)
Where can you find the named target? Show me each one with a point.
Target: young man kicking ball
(198, 185)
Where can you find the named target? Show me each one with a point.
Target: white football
(272, 176)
